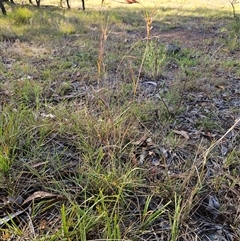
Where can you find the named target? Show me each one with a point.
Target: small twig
(216, 51)
(182, 94)
(217, 142)
(165, 105)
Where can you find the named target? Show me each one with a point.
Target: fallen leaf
(220, 87)
(43, 224)
(5, 236)
(11, 216)
(131, 1)
(142, 157)
(150, 142)
(127, 1)
(39, 195)
(141, 141)
(182, 133)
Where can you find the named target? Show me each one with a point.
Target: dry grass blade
(205, 156)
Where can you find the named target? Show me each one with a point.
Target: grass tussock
(21, 16)
(119, 125)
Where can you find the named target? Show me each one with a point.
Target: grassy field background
(120, 122)
(151, 3)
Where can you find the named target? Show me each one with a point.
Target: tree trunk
(68, 5)
(83, 5)
(38, 3)
(3, 8)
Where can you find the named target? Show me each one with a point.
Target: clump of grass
(13, 126)
(233, 37)
(207, 124)
(148, 217)
(28, 92)
(66, 27)
(175, 223)
(4, 160)
(21, 16)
